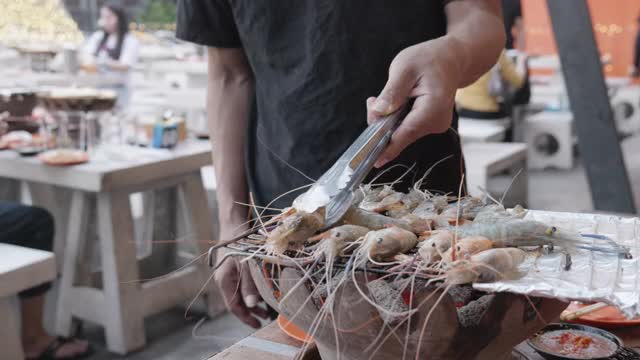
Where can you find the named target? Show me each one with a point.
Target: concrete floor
(170, 336)
(568, 190)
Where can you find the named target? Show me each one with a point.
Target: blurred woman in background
(112, 49)
(493, 96)
(485, 98)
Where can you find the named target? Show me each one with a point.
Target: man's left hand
(427, 72)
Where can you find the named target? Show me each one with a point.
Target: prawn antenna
(504, 194)
(488, 195)
(418, 184)
(385, 171)
(403, 175)
(284, 161)
(455, 232)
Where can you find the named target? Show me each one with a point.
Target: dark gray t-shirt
(315, 63)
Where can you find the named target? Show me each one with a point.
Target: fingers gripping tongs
(335, 190)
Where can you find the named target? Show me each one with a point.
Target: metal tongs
(335, 190)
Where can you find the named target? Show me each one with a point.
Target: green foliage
(158, 12)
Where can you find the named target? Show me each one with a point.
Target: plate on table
(64, 157)
(608, 317)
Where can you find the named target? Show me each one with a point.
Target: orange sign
(615, 26)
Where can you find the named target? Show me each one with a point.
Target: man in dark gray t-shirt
(293, 82)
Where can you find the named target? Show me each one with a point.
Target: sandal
(50, 352)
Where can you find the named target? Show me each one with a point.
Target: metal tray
(592, 276)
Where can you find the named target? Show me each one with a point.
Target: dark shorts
(30, 227)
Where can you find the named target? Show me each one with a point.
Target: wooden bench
(474, 130)
(482, 160)
(20, 269)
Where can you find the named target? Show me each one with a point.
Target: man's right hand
(236, 285)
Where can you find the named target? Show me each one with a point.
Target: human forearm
(475, 37)
(230, 86)
(432, 71)
(229, 91)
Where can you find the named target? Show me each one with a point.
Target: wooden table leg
(78, 218)
(124, 325)
(195, 206)
(148, 223)
(55, 200)
(51, 197)
(10, 344)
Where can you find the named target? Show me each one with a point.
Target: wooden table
(120, 305)
(271, 343)
(28, 79)
(268, 343)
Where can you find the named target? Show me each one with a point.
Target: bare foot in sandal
(38, 344)
(48, 347)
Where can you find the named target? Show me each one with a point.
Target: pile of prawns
(457, 240)
(444, 240)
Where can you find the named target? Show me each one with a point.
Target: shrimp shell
(465, 207)
(294, 230)
(430, 207)
(418, 225)
(372, 220)
(487, 266)
(387, 243)
(391, 201)
(334, 240)
(406, 205)
(438, 242)
(491, 214)
(469, 246)
(512, 233)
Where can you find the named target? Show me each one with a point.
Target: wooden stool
(625, 104)
(475, 130)
(483, 160)
(549, 137)
(20, 269)
(122, 301)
